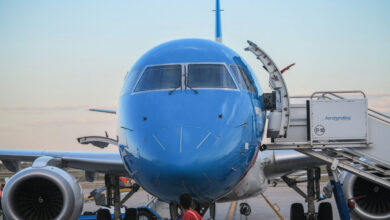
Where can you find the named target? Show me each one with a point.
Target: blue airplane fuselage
(200, 141)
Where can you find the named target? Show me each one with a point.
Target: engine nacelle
(42, 193)
(372, 201)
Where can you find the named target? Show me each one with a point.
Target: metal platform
(336, 127)
(365, 154)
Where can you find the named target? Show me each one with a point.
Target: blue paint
(218, 31)
(340, 200)
(158, 217)
(93, 217)
(187, 142)
(187, 51)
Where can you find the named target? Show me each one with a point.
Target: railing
(379, 116)
(329, 94)
(324, 93)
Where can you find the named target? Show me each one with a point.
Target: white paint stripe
(155, 138)
(203, 140)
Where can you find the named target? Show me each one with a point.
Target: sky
(59, 58)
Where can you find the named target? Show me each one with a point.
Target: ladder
(353, 164)
(366, 154)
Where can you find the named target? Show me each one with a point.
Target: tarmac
(281, 195)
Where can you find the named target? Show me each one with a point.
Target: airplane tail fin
(218, 31)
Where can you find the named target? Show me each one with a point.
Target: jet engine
(42, 193)
(372, 201)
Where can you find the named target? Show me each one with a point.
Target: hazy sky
(58, 58)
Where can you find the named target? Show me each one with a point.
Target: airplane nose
(200, 144)
(184, 159)
(183, 141)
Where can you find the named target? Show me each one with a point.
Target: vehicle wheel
(297, 212)
(325, 211)
(103, 214)
(144, 215)
(131, 214)
(245, 209)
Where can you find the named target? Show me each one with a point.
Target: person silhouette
(188, 212)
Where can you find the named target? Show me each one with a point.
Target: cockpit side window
(238, 76)
(130, 80)
(243, 78)
(160, 77)
(209, 76)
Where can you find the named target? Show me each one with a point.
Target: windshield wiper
(173, 90)
(195, 91)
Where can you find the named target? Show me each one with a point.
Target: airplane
(191, 119)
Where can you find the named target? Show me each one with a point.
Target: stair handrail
(382, 117)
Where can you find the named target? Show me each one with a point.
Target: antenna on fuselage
(218, 31)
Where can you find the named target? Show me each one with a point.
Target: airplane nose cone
(200, 144)
(184, 154)
(184, 159)
(182, 141)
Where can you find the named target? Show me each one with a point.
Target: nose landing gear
(245, 209)
(313, 194)
(297, 212)
(324, 212)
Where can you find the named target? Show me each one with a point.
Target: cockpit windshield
(160, 77)
(209, 76)
(172, 77)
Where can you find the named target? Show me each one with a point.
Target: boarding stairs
(336, 127)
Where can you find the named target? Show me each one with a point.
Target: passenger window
(243, 78)
(209, 76)
(160, 77)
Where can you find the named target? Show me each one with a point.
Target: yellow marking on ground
(273, 207)
(231, 211)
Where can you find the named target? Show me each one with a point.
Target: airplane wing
(102, 110)
(95, 162)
